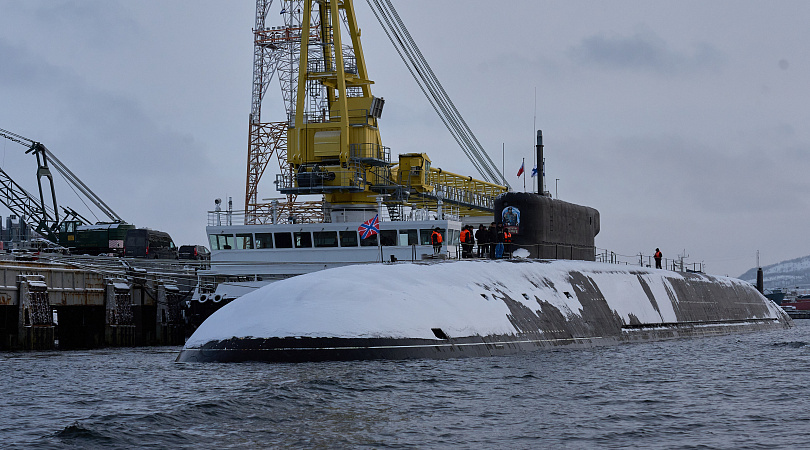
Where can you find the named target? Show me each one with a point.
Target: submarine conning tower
(548, 228)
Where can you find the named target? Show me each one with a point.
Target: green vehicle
(101, 238)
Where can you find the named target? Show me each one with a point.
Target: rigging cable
(420, 70)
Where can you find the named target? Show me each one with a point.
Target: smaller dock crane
(45, 216)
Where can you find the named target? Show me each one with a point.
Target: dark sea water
(740, 391)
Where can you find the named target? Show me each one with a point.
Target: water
(740, 391)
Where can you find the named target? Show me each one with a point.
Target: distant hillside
(786, 274)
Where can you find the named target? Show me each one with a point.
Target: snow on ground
(406, 300)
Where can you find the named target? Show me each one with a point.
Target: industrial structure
(329, 144)
(45, 216)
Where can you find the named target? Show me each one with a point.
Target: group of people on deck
(493, 242)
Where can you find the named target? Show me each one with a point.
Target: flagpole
(534, 127)
(523, 166)
(379, 235)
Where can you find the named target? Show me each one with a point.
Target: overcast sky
(683, 122)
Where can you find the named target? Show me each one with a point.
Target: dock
(81, 302)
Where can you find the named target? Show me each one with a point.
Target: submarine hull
(293, 350)
(474, 308)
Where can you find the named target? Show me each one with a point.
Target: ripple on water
(730, 391)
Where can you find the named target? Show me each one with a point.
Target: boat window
(453, 237)
(283, 240)
(221, 241)
(325, 238)
(348, 239)
(244, 241)
(408, 237)
(369, 241)
(388, 237)
(264, 240)
(424, 237)
(302, 239)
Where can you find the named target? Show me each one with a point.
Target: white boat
(247, 257)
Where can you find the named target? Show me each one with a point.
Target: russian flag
(520, 171)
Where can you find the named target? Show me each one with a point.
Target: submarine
(474, 308)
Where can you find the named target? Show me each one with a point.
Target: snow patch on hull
(474, 308)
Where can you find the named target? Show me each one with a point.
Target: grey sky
(681, 121)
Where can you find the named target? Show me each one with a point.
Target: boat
(330, 147)
(777, 295)
(797, 303)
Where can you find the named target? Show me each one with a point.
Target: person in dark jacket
(482, 235)
(499, 241)
(491, 234)
(658, 255)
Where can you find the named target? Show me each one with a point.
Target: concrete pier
(47, 304)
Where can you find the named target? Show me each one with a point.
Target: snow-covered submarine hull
(474, 308)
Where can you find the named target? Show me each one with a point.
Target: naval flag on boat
(520, 171)
(370, 227)
(534, 172)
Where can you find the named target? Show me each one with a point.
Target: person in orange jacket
(467, 242)
(658, 255)
(464, 237)
(436, 240)
(507, 243)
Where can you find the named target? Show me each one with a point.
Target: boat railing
(356, 117)
(679, 264)
(320, 180)
(310, 212)
(560, 251)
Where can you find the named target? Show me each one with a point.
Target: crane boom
(431, 87)
(18, 200)
(75, 181)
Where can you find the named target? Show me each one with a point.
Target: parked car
(194, 252)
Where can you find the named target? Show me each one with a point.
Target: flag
(534, 172)
(520, 171)
(370, 227)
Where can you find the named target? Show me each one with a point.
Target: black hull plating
(349, 349)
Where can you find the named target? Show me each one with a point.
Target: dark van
(198, 252)
(151, 244)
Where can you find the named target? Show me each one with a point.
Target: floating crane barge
(338, 302)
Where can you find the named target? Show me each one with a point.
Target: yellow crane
(333, 143)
